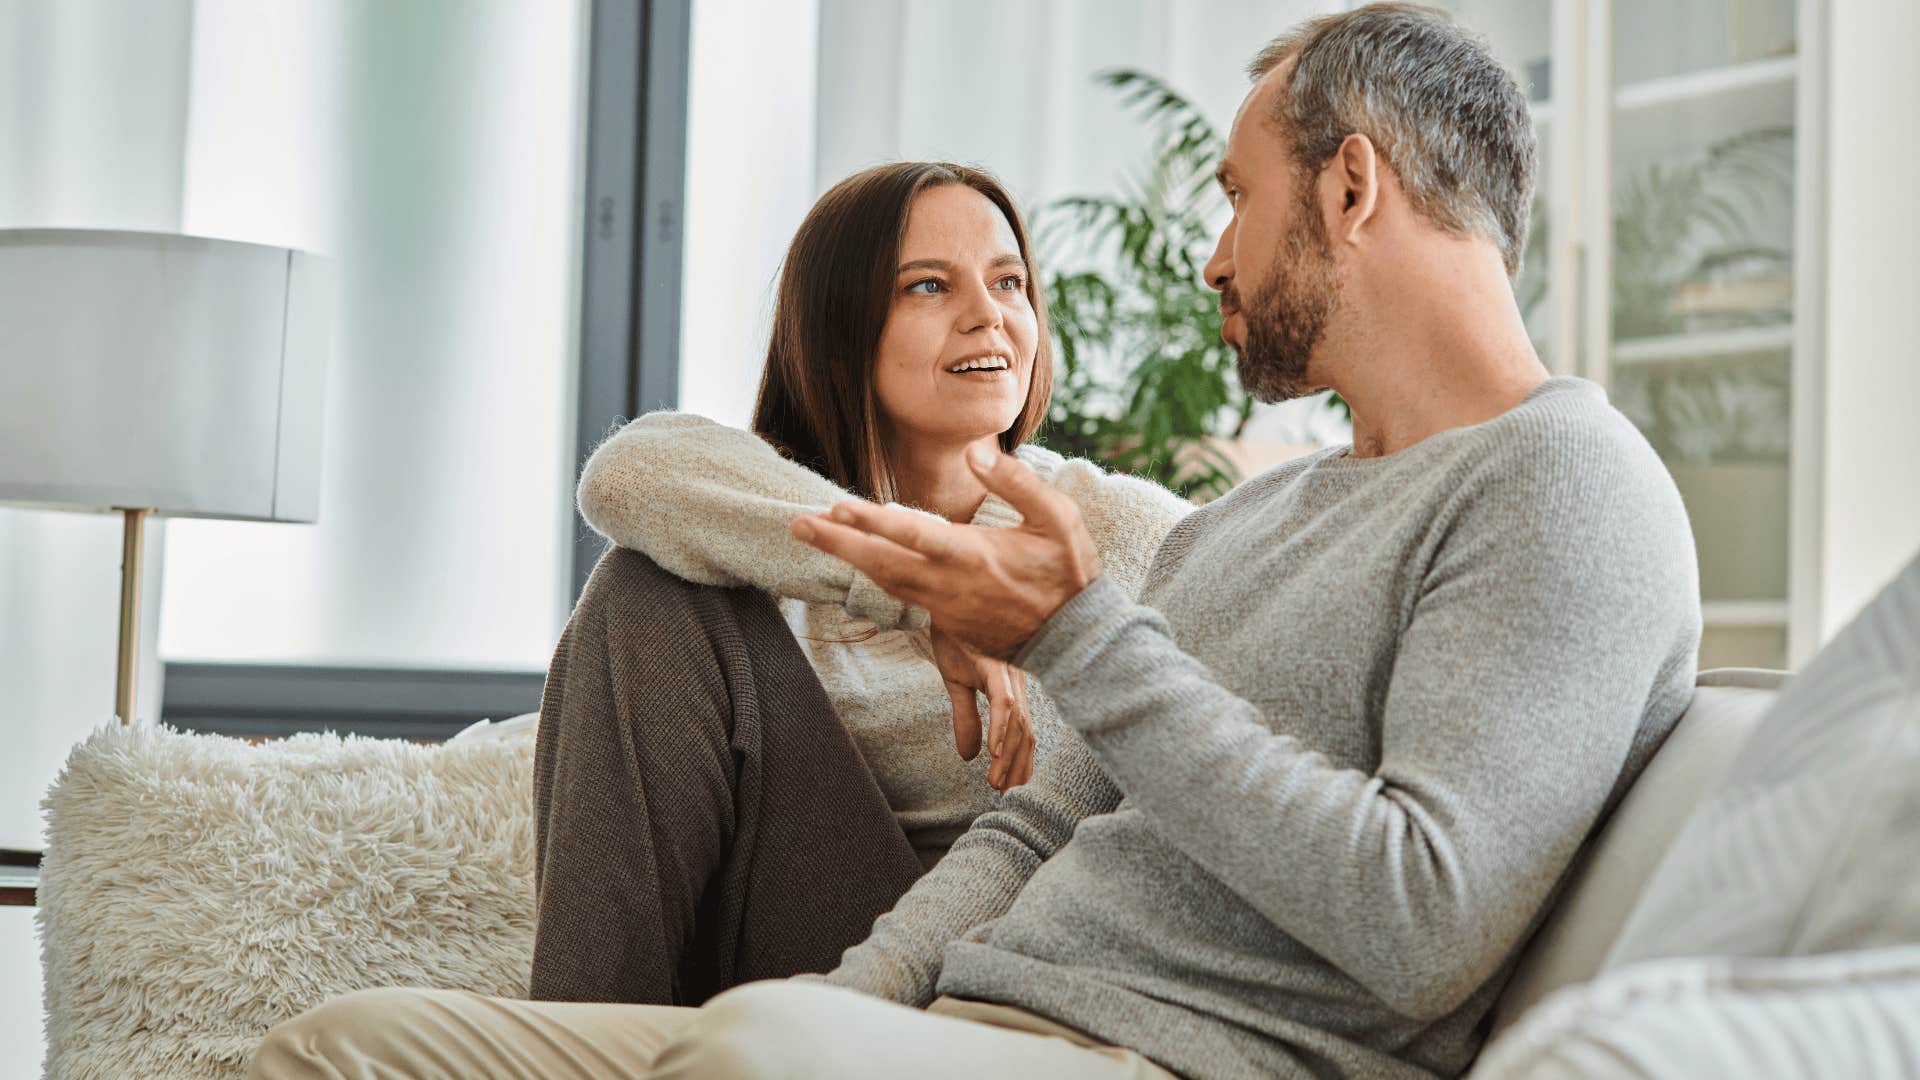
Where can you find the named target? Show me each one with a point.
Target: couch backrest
(1615, 865)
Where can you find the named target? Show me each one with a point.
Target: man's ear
(1355, 176)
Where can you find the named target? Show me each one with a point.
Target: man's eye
(934, 286)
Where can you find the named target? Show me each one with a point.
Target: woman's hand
(1010, 741)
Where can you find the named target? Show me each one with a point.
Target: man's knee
(331, 1038)
(755, 1032)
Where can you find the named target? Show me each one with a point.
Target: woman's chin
(970, 427)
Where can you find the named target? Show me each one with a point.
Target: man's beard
(1288, 314)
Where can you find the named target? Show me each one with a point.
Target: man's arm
(1517, 688)
(1502, 737)
(979, 877)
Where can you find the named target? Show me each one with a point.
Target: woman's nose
(980, 312)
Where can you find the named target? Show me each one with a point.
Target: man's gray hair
(1443, 112)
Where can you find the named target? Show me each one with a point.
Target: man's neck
(1451, 352)
(937, 478)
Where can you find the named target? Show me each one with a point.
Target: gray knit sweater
(1362, 718)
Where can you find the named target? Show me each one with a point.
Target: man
(1369, 707)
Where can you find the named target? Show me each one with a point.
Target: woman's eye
(1012, 283)
(934, 286)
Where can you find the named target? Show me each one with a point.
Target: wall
(1870, 520)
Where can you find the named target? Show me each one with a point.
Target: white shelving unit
(1707, 345)
(1695, 76)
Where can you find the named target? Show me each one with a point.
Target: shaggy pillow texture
(197, 889)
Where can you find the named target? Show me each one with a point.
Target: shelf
(1744, 612)
(1693, 86)
(1705, 345)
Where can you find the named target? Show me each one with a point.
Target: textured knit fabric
(1380, 705)
(701, 818)
(713, 504)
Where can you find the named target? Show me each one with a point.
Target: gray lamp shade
(165, 371)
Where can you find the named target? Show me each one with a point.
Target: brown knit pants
(702, 818)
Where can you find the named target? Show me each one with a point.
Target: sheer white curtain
(92, 111)
(1011, 87)
(432, 149)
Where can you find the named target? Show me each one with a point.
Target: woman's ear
(1356, 176)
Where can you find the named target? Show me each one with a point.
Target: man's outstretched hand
(991, 588)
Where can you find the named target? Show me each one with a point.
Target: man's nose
(1219, 269)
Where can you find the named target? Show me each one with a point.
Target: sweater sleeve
(976, 881)
(1501, 737)
(1128, 518)
(712, 504)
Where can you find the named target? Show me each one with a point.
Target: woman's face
(956, 354)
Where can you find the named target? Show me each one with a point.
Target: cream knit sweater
(712, 504)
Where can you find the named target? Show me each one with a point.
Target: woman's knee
(624, 577)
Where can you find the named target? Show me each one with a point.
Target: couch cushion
(1800, 1018)
(1810, 845)
(197, 890)
(1604, 883)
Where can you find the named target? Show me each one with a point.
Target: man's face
(1273, 266)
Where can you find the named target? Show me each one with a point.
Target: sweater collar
(995, 512)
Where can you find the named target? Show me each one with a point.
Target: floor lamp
(155, 373)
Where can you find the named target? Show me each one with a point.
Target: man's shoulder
(1567, 433)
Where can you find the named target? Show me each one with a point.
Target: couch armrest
(1613, 868)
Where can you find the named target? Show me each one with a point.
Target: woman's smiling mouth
(984, 365)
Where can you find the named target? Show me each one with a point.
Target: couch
(197, 889)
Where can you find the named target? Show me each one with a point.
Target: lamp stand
(132, 541)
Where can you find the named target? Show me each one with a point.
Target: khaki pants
(763, 1029)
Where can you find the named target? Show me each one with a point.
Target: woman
(731, 787)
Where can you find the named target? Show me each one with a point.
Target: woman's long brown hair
(817, 402)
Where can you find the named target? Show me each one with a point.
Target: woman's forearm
(712, 503)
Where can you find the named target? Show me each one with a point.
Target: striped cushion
(1802, 1018)
(1812, 842)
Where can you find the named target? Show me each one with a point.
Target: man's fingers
(1008, 477)
(916, 532)
(887, 563)
(966, 721)
(1023, 768)
(999, 713)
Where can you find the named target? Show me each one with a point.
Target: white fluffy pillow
(197, 889)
